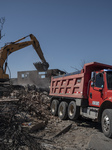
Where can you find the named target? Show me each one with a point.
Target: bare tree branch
(2, 21)
(82, 64)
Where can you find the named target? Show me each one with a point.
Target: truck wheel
(62, 110)
(73, 111)
(54, 107)
(106, 122)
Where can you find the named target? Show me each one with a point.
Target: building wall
(40, 79)
(27, 77)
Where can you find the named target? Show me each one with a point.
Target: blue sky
(69, 31)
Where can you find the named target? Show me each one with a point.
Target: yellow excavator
(17, 45)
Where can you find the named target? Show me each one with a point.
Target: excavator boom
(17, 45)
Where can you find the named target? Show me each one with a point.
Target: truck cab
(87, 94)
(100, 88)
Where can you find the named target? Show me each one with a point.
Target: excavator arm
(17, 45)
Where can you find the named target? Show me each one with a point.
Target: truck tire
(62, 110)
(106, 122)
(54, 107)
(73, 111)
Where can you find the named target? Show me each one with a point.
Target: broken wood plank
(64, 130)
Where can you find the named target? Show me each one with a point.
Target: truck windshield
(109, 80)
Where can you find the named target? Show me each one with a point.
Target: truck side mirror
(94, 74)
(93, 78)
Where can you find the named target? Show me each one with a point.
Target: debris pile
(22, 112)
(27, 124)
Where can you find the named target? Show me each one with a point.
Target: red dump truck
(87, 94)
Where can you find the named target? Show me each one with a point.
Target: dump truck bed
(75, 86)
(68, 86)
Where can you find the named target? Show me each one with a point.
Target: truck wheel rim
(61, 111)
(106, 123)
(53, 107)
(71, 111)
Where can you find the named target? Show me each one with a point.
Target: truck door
(96, 91)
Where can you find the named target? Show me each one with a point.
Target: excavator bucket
(41, 66)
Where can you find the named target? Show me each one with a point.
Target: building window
(42, 76)
(24, 75)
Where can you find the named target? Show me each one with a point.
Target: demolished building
(34, 77)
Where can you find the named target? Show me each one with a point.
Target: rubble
(26, 123)
(22, 112)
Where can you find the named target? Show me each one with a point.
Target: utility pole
(2, 21)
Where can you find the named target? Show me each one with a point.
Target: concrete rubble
(26, 123)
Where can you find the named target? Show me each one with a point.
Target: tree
(2, 21)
